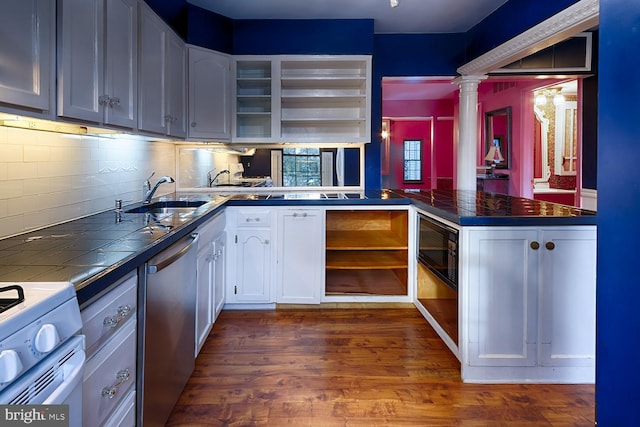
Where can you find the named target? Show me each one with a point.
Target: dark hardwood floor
(354, 367)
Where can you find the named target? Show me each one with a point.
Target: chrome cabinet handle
(303, 215)
(121, 377)
(103, 99)
(113, 101)
(193, 124)
(256, 219)
(121, 313)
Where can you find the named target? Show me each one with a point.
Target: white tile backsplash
(47, 178)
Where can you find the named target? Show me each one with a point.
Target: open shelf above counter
(303, 98)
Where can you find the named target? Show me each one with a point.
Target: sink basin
(168, 205)
(236, 184)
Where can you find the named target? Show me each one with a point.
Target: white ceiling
(410, 16)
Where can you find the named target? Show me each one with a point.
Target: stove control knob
(10, 365)
(46, 338)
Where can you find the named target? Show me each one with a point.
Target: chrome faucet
(150, 193)
(212, 180)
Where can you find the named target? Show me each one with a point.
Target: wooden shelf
(364, 240)
(374, 260)
(367, 252)
(365, 282)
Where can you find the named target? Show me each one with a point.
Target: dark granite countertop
(95, 251)
(474, 208)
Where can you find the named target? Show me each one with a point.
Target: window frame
(419, 160)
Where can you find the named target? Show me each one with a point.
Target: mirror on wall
(497, 147)
(287, 167)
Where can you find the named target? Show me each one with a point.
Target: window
(412, 156)
(301, 167)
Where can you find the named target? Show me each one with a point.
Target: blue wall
(511, 19)
(618, 333)
(303, 36)
(210, 30)
(174, 13)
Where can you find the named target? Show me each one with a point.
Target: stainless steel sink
(168, 206)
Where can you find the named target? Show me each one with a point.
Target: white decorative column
(469, 127)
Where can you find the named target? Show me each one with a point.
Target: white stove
(41, 351)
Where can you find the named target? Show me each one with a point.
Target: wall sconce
(393, 3)
(540, 99)
(493, 157)
(385, 129)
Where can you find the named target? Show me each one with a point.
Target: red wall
(429, 121)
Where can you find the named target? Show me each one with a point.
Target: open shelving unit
(302, 98)
(253, 99)
(366, 252)
(325, 99)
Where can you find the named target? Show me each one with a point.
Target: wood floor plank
(354, 367)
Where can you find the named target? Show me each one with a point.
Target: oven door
(57, 379)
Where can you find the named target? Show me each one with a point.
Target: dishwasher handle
(154, 268)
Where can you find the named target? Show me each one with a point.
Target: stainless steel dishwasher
(167, 333)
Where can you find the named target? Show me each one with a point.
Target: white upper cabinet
(97, 61)
(27, 46)
(209, 94)
(302, 98)
(121, 63)
(162, 95)
(175, 79)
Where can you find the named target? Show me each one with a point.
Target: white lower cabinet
(210, 276)
(300, 258)
(219, 272)
(528, 298)
(250, 256)
(109, 326)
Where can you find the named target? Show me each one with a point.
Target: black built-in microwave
(438, 249)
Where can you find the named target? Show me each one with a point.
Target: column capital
(469, 82)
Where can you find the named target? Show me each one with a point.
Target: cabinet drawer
(253, 218)
(125, 415)
(101, 319)
(110, 374)
(211, 228)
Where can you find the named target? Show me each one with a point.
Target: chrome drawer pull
(121, 313)
(121, 377)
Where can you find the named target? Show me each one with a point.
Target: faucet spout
(149, 195)
(213, 180)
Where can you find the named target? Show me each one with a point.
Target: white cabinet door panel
(253, 265)
(568, 298)
(176, 79)
(209, 94)
(80, 66)
(121, 74)
(26, 48)
(502, 299)
(151, 103)
(301, 256)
